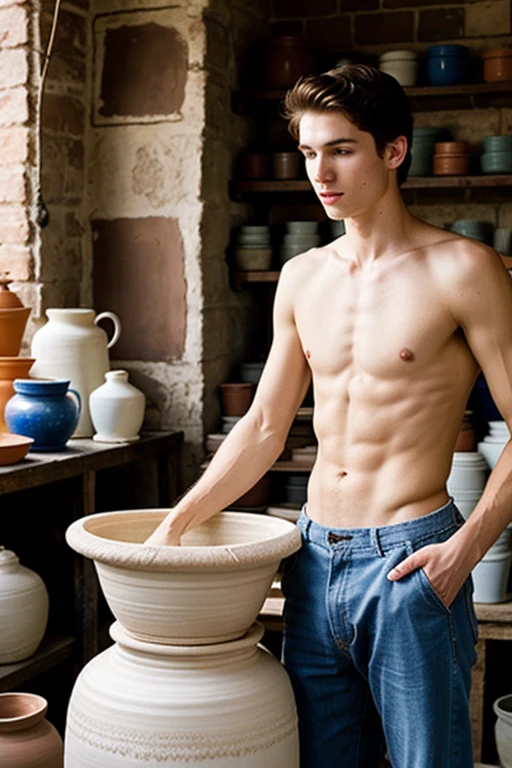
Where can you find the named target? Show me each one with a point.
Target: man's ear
(396, 150)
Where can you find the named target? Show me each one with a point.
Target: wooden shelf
(413, 182)
(53, 650)
(422, 98)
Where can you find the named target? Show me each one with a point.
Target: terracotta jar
(286, 165)
(13, 320)
(236, 398)
(208, 590)
(451, 158)
(287, 58)
(11, 368)
(497, 64)
(147, 705)
(27, 740)
(23, 608)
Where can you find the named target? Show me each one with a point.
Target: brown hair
(372, 100)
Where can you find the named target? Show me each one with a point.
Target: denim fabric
(376, 663)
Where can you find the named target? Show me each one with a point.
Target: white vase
(503, 729)
(117, 409)
(23, 609)
(469, 472)
(208, 590)
(143, 705)
(490, 577)
(72, 346)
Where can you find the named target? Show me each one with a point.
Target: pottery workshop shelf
(53, 650)
(73, 474)
(422, 98)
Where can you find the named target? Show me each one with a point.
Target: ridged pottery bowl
(208, 590)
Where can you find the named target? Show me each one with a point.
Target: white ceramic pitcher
(72, 346)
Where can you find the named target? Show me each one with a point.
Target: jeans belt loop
(375, 535)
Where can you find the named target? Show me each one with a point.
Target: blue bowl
(448, 70)
(447, 50)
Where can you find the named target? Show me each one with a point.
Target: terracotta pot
(208, 590)
(236, 398)
(13, 320)
(497, 64)
(11, 368)
(257, 496)
(23, 608)
(451, 165)
(286, 165)
(27, 740)
(451, 148)
(287, 58)
(145, 705)
(254, 166)
(8, 299)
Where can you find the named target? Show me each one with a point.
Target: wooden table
(494, 623)
(80, 464)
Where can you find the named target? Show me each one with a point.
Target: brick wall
(17, 143)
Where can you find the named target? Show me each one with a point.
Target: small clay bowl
(13, 448)
(451, 148)
(451, 165)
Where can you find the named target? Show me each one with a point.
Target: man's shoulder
(461, 257)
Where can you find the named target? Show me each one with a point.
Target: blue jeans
(377, 664)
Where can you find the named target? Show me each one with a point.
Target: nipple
(308, 354)
(406, 354)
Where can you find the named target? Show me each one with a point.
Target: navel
(407, 355)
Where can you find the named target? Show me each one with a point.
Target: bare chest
(383, 326)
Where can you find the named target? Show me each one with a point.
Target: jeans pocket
(470, 608)
(427, 588)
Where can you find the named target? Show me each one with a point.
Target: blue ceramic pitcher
(46, 410)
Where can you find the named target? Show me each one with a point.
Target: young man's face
(342, 164)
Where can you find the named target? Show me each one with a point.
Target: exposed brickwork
(13, 67)
(359, 5)
(13, 188)
(13, 26)
(14, 145)
(14, 106)
(63, 114)
(419, 3)
(288, 9)
(332, 36)
(16, 261)
(14, 224)
(392, 27)
(441, 24)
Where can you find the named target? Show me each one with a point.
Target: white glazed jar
(117, 409)
(23, 609)
(146, 705)
(72, 346)
(402, 65)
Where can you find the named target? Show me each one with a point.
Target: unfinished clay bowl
(208, 590)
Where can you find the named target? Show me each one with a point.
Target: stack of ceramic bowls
(477, 230)
(403, 65)
(467, 479)
(494, 442)
(423, 147)
(296, 488)
(300, 236)
(497, 155)
(13, 319)
(448, 64)
(253, 249)
(451, 158)
(497, 64)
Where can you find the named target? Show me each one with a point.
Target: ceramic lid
(447, 50)
(8, 299)
(7, 557)
(399, 56)
(497, 53)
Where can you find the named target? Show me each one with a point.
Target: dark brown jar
(287, 58)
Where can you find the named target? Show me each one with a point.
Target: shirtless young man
(391, 322)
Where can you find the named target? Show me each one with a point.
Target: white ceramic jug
(117, 409)
(72, 346)
(23, 609)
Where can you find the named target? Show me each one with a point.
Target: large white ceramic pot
(23, 609)
(469, 472)
(503, 730)
(144, 705)
(208, 590)
(72, 346)
(117, 409)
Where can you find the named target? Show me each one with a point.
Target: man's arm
(478, 292)
(259, 437)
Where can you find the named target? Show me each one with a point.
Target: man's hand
(164, 535)
(441, 566)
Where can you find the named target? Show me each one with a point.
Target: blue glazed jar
(46, 410)
(448, 64)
